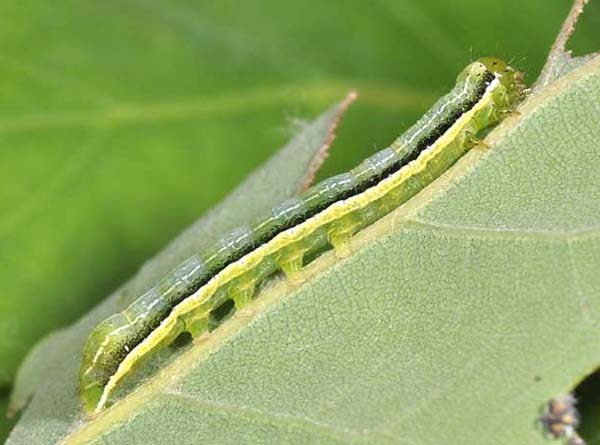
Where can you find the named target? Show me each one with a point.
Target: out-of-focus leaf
(5, 423)
(560, 60)
(44, 372)
(121, 122)
(452, 322)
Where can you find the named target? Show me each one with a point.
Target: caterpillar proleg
(327, 214)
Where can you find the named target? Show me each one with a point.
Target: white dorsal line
(332, 213)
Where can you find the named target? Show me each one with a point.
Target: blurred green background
(123, 121)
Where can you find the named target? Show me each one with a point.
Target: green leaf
(454, 320)
(119, 121)
(283, 176)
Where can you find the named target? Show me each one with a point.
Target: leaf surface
(453, 321)
(49, 372)
(119, 120)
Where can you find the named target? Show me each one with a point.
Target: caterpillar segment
(327, 214)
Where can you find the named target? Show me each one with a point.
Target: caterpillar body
(328, 213)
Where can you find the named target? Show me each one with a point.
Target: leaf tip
(338, 112)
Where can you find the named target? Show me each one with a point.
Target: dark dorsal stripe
(301, 216)
(360, 187)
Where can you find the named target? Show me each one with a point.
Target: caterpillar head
(511, 79)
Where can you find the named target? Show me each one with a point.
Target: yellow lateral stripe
(331, 214)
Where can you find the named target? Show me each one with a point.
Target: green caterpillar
(329, 213)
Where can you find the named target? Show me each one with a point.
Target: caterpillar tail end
(100, 359)
(90, 398)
